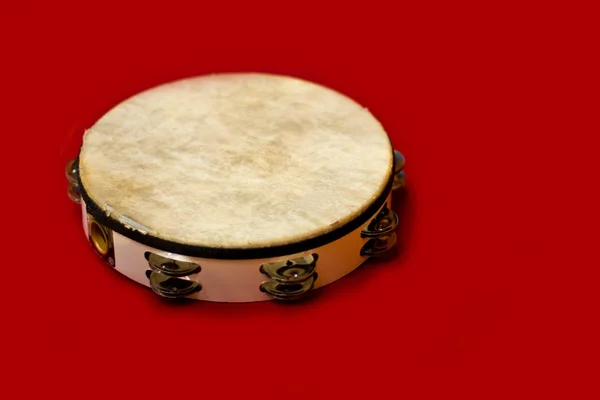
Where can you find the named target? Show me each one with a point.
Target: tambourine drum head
(234, 161)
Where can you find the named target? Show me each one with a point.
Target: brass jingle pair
(290, 279)
(171, 278)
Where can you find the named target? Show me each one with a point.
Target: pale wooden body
(234, 281)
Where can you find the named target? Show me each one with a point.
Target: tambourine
(237, 187)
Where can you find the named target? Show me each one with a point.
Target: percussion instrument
(237, 187)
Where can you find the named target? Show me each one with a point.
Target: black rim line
(232, 253)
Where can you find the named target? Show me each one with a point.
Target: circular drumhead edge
(240, 160)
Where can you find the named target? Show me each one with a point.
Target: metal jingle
(170, 267)
(384, 223)
(288, 291)
(399, 180)
(172, 287)
(399, 161)
(71, 170)
(296, 270)
(310, 259)
(378, 246)
(74, 193)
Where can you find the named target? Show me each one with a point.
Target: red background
(491, 293)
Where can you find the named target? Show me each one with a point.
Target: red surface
(492, 294)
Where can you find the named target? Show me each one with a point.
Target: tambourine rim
(233, 253)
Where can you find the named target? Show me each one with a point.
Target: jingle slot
(99, 239)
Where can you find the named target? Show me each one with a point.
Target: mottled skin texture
(236, 160)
